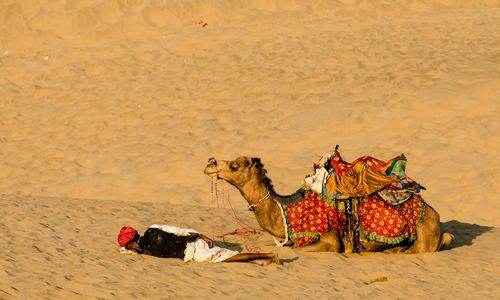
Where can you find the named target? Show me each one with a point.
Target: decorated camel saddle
(367, 199)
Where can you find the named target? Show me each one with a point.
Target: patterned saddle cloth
(372, 218)
(385, 203)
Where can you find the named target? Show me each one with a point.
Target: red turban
(126, 235)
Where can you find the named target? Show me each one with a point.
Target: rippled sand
(110, 110)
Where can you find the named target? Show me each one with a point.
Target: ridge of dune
(86, 22)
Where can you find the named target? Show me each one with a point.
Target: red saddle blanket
(387, 223)
(374, 218)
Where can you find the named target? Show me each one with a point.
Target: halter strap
(252, 207)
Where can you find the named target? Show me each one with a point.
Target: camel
(248, 175)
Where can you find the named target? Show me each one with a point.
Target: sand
(110, 110)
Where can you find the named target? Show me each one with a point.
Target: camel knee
(428, 234)
(332, 241)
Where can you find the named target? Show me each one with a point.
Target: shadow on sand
(464, 233)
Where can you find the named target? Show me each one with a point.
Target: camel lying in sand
(248, 176)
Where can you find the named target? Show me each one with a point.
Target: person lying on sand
(187, 244)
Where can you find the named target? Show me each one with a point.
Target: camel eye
(234, 166)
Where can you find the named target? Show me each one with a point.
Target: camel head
(238, 172)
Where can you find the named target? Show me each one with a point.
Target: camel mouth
(212, 172)
(211, 168)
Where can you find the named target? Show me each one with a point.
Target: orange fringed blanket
(362, 177)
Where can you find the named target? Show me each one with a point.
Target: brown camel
(249, 177)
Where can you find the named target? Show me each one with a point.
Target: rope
(282, 243)
(245, 229)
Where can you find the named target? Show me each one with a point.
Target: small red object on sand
(202, 23)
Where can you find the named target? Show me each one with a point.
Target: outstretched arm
(208, 240)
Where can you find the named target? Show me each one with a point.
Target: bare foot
(262, 261)
(274, 258)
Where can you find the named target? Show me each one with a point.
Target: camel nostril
(212, 160)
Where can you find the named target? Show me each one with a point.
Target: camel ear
(256, 161)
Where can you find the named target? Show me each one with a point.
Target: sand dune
(66, 248)
(110, 110)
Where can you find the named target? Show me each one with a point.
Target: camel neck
(255, 194)
(267, 211)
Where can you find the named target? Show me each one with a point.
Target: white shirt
(172, 229)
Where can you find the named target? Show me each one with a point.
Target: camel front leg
(327, 242)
